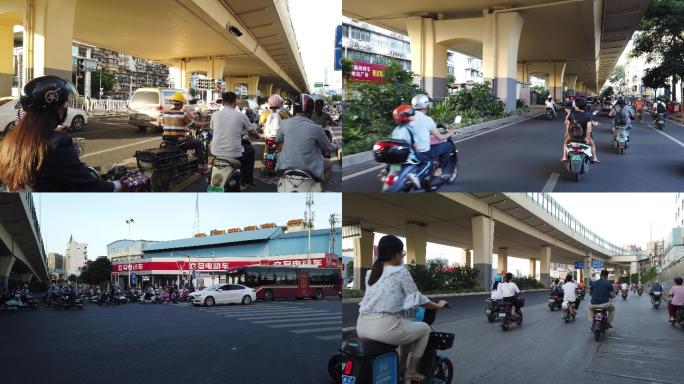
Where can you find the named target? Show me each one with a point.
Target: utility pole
(129, 222)
(308, 221)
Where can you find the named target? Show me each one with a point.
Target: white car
(76, 117)
(224, 294)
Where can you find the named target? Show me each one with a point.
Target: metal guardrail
(552, 207)
(102, 107)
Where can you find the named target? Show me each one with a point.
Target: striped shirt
(174, 123)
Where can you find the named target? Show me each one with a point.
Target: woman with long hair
(389, 290)
(35, 155)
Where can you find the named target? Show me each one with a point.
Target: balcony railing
(552, 207)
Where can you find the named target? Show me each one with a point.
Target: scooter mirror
(458, 119)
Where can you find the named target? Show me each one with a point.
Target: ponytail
(389, 247)
(376, 271)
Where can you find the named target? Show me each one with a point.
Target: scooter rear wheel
(335, 367)
(444, 370)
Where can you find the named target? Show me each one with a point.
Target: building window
(360, 34)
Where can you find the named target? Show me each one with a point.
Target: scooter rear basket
(441, 340)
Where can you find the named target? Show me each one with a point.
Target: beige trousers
(411, 336)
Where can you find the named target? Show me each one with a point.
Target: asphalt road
(110, 140)
(642, 348)
(525, 157)
(280, 342)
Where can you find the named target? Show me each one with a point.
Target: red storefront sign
(183, 265)
(362, 71)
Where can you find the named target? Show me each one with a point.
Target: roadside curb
(461, 134)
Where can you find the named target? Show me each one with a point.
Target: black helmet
(43, 93)
(303, 103)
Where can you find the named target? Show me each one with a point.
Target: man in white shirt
(550, 104)
(425, 126)
(569, 295)
(508, 291)
(228, 125)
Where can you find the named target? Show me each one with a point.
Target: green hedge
(443, 279)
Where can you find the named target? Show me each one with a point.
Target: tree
(617, 77)
(607, 91)
(73, 278)
(108, 81)
(98, 271)
(660, 41)
(350, 269)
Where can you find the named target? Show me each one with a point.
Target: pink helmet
(275, 101)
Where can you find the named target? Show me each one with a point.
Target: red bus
(277, 282)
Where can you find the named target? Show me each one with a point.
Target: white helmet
(420, 101)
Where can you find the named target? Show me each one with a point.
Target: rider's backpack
(620, 116)
(576, 131)
(660, 108)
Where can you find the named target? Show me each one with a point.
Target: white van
(147, 105)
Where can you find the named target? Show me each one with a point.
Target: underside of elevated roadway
(448, 221)
(588, 35)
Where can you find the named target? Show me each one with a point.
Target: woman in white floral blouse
(390, 290)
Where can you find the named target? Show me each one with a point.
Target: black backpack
(660, 108)
(620, 115)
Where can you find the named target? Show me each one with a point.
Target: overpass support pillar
(586, 272)
(428, 59)
(6, 58)
(555, 82)
(24, 277)
(533, 268)
(179, 75)
(6, 263)
(253, 87)
(48, 37)
(571, 82)
(545, 265)
(265, 90)
(415, 243)
(363, 257)
(500, 54)
(502, 260)
(483, 244)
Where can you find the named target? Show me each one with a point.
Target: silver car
(147, 105)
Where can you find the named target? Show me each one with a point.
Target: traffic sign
(134, 278)
(319, 85)
(338, 36)
(338, 59)
(579, 264)
(597, 264)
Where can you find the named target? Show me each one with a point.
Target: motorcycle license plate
(502, 315)
(576, 157)
(348, 379)
(395, 167)
(552, 301)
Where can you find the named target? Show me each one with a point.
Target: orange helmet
(403, 114)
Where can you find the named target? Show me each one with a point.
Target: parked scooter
(364, 361)
(68, 301)
(404, 175)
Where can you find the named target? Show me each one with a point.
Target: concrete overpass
(22, 256)
(531, 226)
(573, 43)
(242, 42)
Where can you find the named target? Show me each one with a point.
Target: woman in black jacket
(35, 156)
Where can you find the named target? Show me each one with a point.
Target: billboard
(362, 71)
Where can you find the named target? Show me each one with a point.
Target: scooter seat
(223, 162)
(366, 347)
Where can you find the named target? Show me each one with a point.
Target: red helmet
(403, 114)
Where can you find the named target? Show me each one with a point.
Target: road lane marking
(312, 330)
(276, 315)
(668, 136)
(79, 133)
(121, 147)
(551, 182)
(359, 173)
(303, 317)
(363, 172)
(280, 311)
(298, 324)
(331, 337)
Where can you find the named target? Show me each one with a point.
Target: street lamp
(129, 222)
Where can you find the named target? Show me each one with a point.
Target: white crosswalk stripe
(299, 318)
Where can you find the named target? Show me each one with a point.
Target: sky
(314, 22)
(99, 219)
